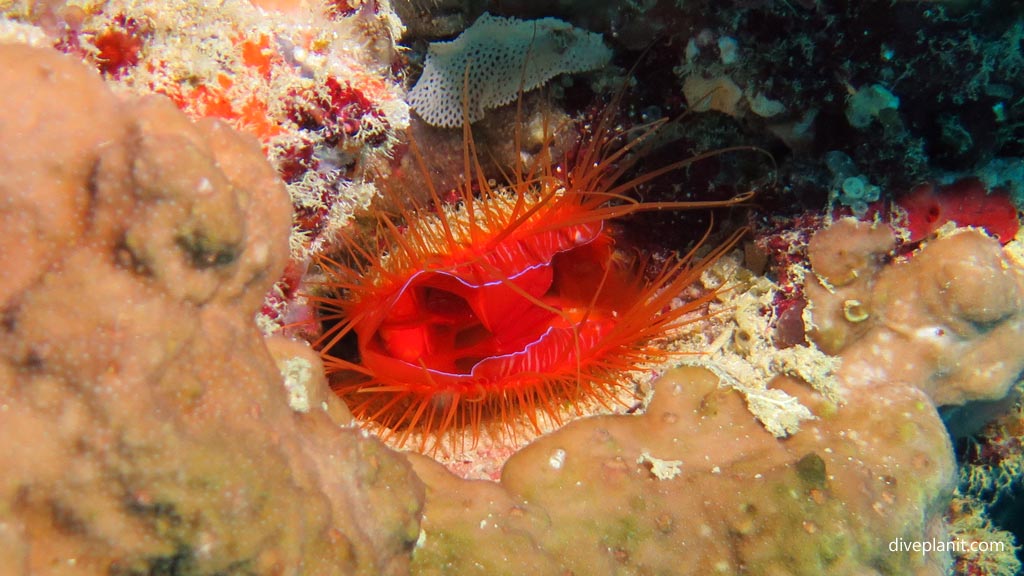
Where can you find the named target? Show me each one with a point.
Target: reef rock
(146, 426)
(696, 485)
(149, 428)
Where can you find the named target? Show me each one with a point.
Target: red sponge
(966, 202)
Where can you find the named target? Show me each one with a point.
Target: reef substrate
(150, 426)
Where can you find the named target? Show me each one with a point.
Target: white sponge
(501, 53)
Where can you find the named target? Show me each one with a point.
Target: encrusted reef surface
(696, 485)
(151, 426)
(144, 424)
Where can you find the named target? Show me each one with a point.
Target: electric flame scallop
(513, 302)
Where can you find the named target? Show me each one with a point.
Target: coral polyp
(513, 303)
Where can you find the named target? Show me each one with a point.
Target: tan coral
(950, 320)
(145, 424)
(846, 258)
(696, 485)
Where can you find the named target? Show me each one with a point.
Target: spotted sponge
(501, 53)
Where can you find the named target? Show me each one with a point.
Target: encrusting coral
(316, 82)
(145, 424)
(697, 486)
(949, 321)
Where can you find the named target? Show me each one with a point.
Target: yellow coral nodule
(855, 311)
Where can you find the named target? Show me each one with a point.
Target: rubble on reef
(145, 427)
